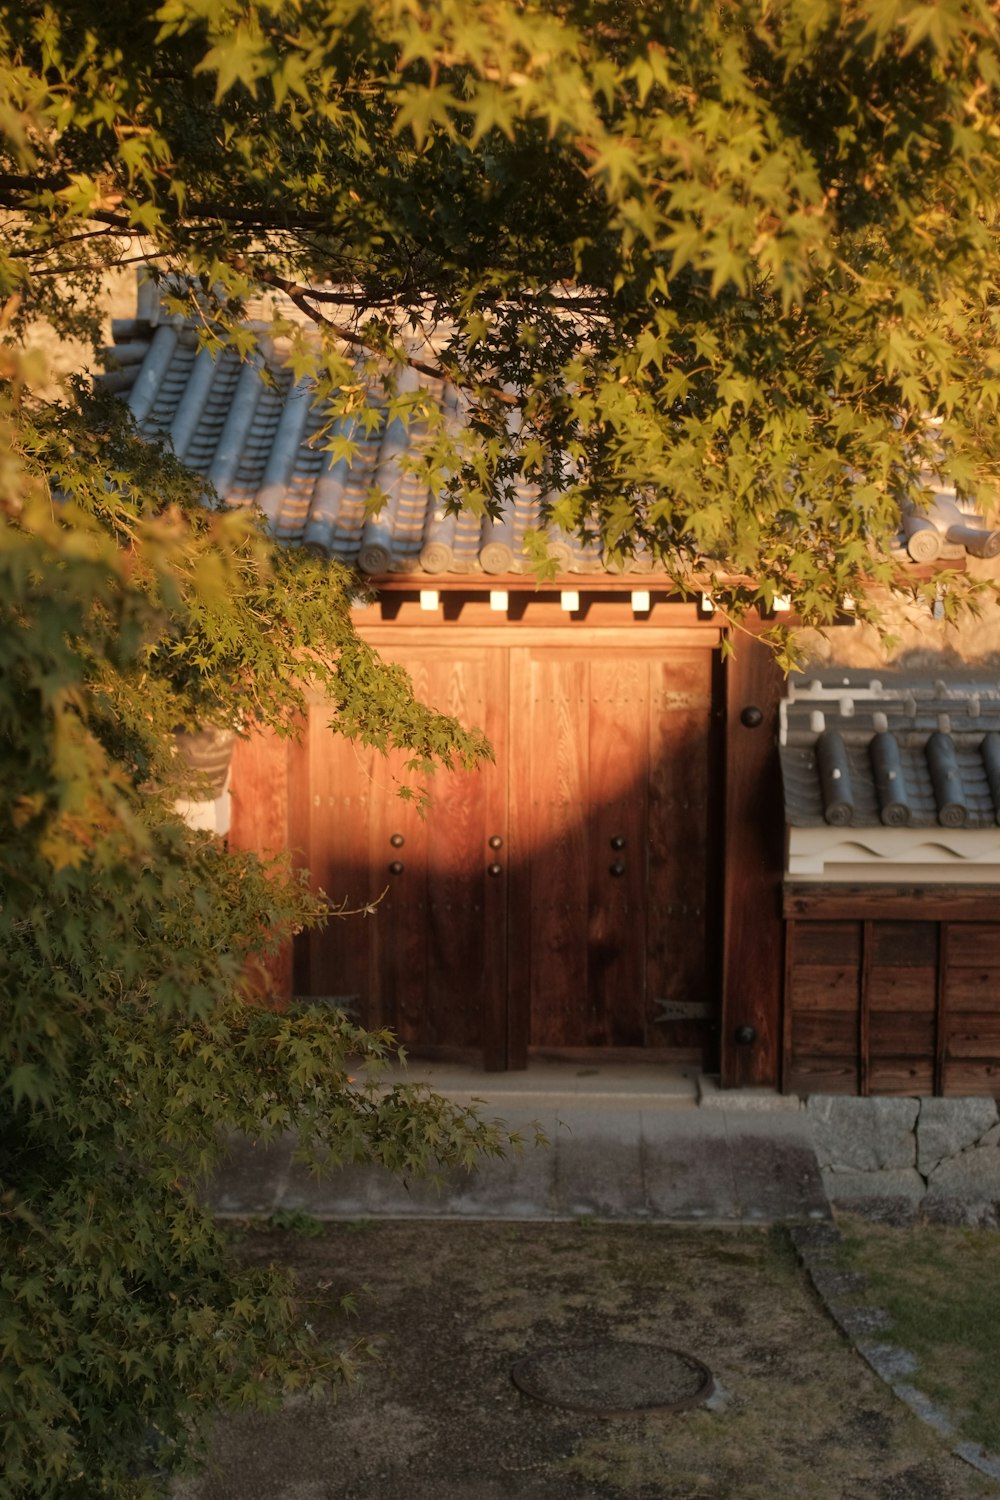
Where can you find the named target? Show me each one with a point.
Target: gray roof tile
(859, 751)
(255, 440)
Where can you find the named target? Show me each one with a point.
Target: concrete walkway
(640, 1143)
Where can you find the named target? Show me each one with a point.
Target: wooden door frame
(751, 674)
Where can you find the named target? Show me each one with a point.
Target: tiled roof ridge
(252, 440)
(893, 749)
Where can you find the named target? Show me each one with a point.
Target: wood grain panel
(831, 943)
(417, 962)
(821, 1076)
(974, 945)
(824, 1034)
(539, 626)
(258, 783)
(401, 938)
(753, 942)
(896, 1034)
(585, 724)
(967, 1077)
(930, 1004)
(520, 795)
(864, 1029)
(616, 810)
(789, 959)
(815, 987)
(456, 871)
(904, 944)
(682, 930)
(558, 849)
(941, 1005)
(431, 951)
(928, 903)
(299, 843)
(332, 828)
(973, 1036)
(971, 989)
(467, 908)
(907, 1076)
(908, 989)
(496, 927)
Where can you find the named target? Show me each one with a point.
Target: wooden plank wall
(905, 1002)
(822, 1007)
(899, 992)
(970, 1042)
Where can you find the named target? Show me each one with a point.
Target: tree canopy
(130, 1044)
(721, 277)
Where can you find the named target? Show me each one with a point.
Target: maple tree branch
(303, 297)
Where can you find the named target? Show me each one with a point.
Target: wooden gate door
(428, 958)
(612, 842)
(556, 900)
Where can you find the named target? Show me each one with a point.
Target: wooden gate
(420, 947)
(561, 899)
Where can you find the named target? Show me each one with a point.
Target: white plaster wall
(66, 356)
(208, 817)
(922, 643)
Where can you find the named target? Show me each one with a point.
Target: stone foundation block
(889, 1197)
(966, 1189)
(947, 1126)
(863, 1135)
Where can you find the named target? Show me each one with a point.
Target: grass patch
(295, 1221)
(941, 1289)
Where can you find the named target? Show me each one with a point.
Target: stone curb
(816, 1246)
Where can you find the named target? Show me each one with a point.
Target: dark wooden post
(753, 859)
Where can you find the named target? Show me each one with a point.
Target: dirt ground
(455, 1305)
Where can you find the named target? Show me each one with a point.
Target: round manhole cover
(611, 1379)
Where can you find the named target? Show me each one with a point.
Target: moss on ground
(941, 1289)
